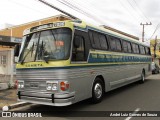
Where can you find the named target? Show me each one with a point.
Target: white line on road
(128, 118)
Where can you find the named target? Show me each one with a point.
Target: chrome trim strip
(124, 80)
(49, 95)
(44, 101)
(64, 95)
(40, 95)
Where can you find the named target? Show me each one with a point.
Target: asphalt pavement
(134, 97)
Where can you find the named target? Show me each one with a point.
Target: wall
(5, 65)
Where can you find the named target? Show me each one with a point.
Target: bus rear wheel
(142, 77)
(97, 91)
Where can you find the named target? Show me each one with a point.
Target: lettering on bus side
(94, 55)
(101, 56)
(33, 65)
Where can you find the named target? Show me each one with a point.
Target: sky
(124, 15)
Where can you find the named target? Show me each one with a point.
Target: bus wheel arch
(98, 89)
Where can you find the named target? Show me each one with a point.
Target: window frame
(124, 41)
(95, 40)
(84, 49)
(148, 52)
(111, 38)
(131, 46)
(129, 43)
(143, 52)
(106, 41)
(3, 59)
(135, 50)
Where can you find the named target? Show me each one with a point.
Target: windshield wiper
(40, 53)
(31, 49)
(54, 40)
(42, 50)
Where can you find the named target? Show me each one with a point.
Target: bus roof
(108, 30)
(85, 26)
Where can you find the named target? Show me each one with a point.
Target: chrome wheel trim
(143, 78)
(98, 90)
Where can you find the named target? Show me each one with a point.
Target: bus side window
(118, 45)
(91, 39)
(112, 43)
(78, 50)
(103, 42)
(142, 50)
(129, 47)
(125, 48)
(135, 48)
(115, 44)
(96, 40)
(147, 49)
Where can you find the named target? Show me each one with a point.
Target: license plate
(34, 85)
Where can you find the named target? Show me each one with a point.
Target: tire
(142, 77)
(97, 91)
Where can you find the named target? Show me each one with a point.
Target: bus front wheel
(97, 91)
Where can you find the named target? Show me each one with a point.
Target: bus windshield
(54, 44)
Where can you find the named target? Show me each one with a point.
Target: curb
(16, 105)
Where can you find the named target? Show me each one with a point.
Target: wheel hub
(98, 90)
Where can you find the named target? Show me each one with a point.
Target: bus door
(80, 48)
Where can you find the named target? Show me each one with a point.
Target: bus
(65, 62)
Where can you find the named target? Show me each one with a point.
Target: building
(5, 25)
(155, 51)
(7, 69)
(17, 31)
(11, 36)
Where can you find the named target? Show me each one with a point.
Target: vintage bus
(64, 62)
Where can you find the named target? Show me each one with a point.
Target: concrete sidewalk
(8, 97)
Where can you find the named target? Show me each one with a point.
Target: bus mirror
(16, 50)
(77, 41)
(46, 58)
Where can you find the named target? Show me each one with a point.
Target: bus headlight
(49, 86)
(21, 84)
(52, 85)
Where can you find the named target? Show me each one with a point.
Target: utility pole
(143, 29)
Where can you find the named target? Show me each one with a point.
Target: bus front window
(54, 44)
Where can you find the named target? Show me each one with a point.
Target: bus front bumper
(56, 99)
